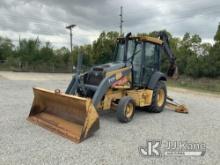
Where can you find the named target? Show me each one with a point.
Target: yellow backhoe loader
(132, 80)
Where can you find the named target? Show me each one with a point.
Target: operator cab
(143, 53)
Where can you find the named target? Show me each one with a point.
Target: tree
(6, 48)
(194, 58)
(28, 52)
(103, 47)
(213, 59)
(64, 53)
(217, 34)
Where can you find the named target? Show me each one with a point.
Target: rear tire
(158, 98)
(125, 109)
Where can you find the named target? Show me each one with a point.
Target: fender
(156, 76)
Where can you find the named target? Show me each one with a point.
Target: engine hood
(108, 67)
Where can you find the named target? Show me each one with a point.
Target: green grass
(201, 84)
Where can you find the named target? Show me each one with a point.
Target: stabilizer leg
(177, 107)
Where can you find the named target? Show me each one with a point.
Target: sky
(47, 19)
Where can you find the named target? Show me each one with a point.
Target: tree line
(194, 57)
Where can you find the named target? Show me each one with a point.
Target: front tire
(125, 109)
(158, 98)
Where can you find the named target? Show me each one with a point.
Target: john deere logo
(152, 148)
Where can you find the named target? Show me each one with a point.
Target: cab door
(151, 61)
(137, 63)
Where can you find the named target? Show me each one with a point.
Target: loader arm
(72, 87)
(106, 83)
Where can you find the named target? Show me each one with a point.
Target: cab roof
(145, 39)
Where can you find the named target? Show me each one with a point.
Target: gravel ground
(114, 143)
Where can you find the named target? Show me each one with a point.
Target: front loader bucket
(70, 116)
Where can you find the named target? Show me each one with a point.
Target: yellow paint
(118, 75)
(110, 97)
(160, 97)
(146, 38)
(119, 71)
(142, 97)
(151, 39)
(126, 86)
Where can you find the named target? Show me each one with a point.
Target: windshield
(121, 48)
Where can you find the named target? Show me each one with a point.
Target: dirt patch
(2, 78)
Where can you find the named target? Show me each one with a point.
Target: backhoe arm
(172, 71)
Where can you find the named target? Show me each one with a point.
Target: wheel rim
(129, 110)
(160, 97)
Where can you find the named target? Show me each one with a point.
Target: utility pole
(70, 27)
(121, 20)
